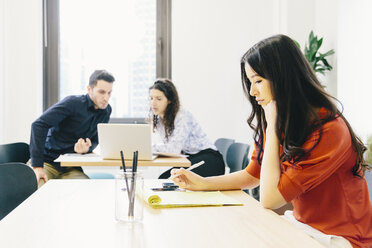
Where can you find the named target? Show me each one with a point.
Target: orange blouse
(322, 188)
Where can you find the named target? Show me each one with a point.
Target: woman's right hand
(188, 180)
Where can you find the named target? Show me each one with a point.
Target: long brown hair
(167, 87)
(298, 93)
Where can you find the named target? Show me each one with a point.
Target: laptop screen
(128, 138)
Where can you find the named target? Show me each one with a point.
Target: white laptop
(113, 138)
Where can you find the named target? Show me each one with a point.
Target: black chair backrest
(223, 145)
(14, 152)
(237, 156)
(368, 176)
(17, 183)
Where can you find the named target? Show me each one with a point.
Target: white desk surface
(93, 159)
(80, 213)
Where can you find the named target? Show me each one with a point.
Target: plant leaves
(311, 36)
(330, 52)
(319, 42)
(316, 59)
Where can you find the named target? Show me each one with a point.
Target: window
(129, 38)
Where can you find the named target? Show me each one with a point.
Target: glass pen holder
(128, 197)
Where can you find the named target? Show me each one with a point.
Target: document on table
(176, 199)
(76, 157)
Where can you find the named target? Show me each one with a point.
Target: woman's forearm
(237, 180)
(270, 197)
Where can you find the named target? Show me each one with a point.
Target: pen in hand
(190, 168)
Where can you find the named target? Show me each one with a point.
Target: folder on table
(176, 199)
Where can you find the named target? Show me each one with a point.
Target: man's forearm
(39, 132)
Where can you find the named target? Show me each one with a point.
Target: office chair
(14, 152)
(237, 159)
(237, 156)
(20, 152)
(100, 175)
(17, 183)
(223, 145)
(368, 176)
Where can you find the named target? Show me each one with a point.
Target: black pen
(123, 161)
(135, 160)
(164, 189)
(134, 170)
(125, 175)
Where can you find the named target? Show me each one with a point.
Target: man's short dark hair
(100, 75)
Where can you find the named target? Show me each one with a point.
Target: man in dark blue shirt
(70, 126)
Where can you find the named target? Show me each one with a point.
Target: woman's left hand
(270, 113)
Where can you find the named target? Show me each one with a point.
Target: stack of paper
(175, 199)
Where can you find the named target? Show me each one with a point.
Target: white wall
(354, 63)
(208, 39)
(326, 23)
(21, 68)
(210, 36)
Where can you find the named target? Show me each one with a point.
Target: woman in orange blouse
(305, 150)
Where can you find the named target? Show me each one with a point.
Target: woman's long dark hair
(167, 87)
(298, 93)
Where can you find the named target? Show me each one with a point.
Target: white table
(92, 159)
(80, 213)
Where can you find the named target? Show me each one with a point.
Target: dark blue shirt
(62, 125)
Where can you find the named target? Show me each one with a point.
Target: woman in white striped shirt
(179, 131)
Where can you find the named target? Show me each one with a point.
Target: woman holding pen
(179, 132)
(305, 150)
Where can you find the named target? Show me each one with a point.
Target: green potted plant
(316, 59)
